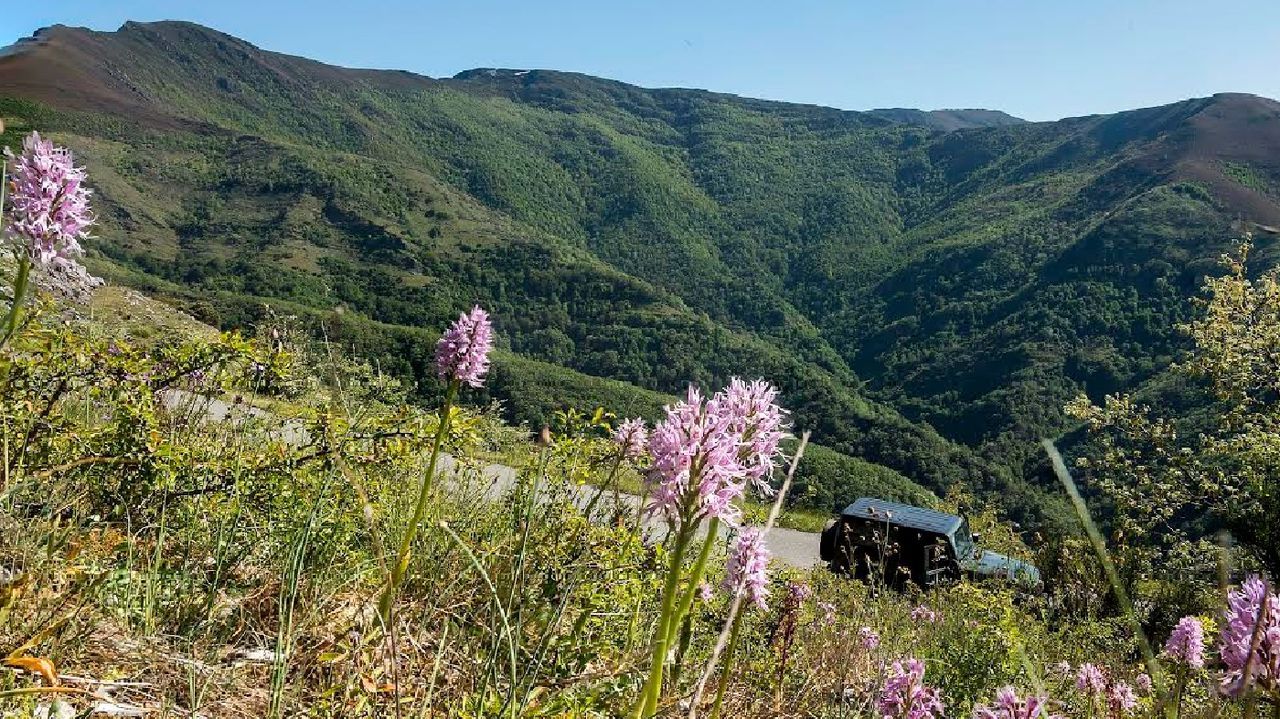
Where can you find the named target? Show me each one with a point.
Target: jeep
(877, 540)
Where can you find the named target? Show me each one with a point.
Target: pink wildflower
(705, 592)
(1090, 680)
(905, 695)
(49, 211)
(1244, 606)
(747, 570)
(1186, 643)
(705, 452)
(752, 413)
(924, 614)
(798, 592)
(1009, 706)
(828, 613)
(692, 440)
(1143, 683)
(462, 354)
(1121, 699)
(870, 639)
(632, 437)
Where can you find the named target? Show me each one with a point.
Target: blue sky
(1037, 59)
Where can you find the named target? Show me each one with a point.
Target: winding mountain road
(789, 546)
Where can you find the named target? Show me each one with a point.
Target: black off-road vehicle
(895, 543)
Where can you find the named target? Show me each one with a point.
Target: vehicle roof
(927, 520)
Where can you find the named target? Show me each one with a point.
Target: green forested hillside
(929, 289)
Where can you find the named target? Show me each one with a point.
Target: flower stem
(695, 578)
(728, 664)
(401, 567)
(649, 696)
(20, 285)
(613, 473)
(1182, 686)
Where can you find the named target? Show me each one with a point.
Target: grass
(121, 311)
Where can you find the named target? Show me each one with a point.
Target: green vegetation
(927, 295)
(1212, 468)
(1249, 177)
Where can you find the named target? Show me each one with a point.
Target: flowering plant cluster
(828, 616)
(906, 696)
(706, 451)
(462, 353)
(1251, 639)
(747, 572)
(869, 638)
(462, 358)
(923, 614)
(1186, 644)
(49, 208)
(704, 454)
(47, 214)
(1100, 690)
(1144, 684)
(1121, 699)
(1090, 680)
(1009, 705)
(632, 438)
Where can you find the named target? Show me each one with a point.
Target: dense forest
(928, 289)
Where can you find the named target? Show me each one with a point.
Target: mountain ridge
(945, 119)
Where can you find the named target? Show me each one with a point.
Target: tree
(1223, 460)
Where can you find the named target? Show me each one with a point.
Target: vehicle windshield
(965, 546)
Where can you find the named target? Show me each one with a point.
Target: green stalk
(613, 473)
(20, 284)
(401, 567)
(497, 603)
(695, 578)
(153, 571)
(24, 265)
(287, 603)
(435, 668)
(728, 662)
(648, 702)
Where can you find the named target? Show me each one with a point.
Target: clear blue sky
(1039, 59)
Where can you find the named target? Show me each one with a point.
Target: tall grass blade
(1100, 548)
